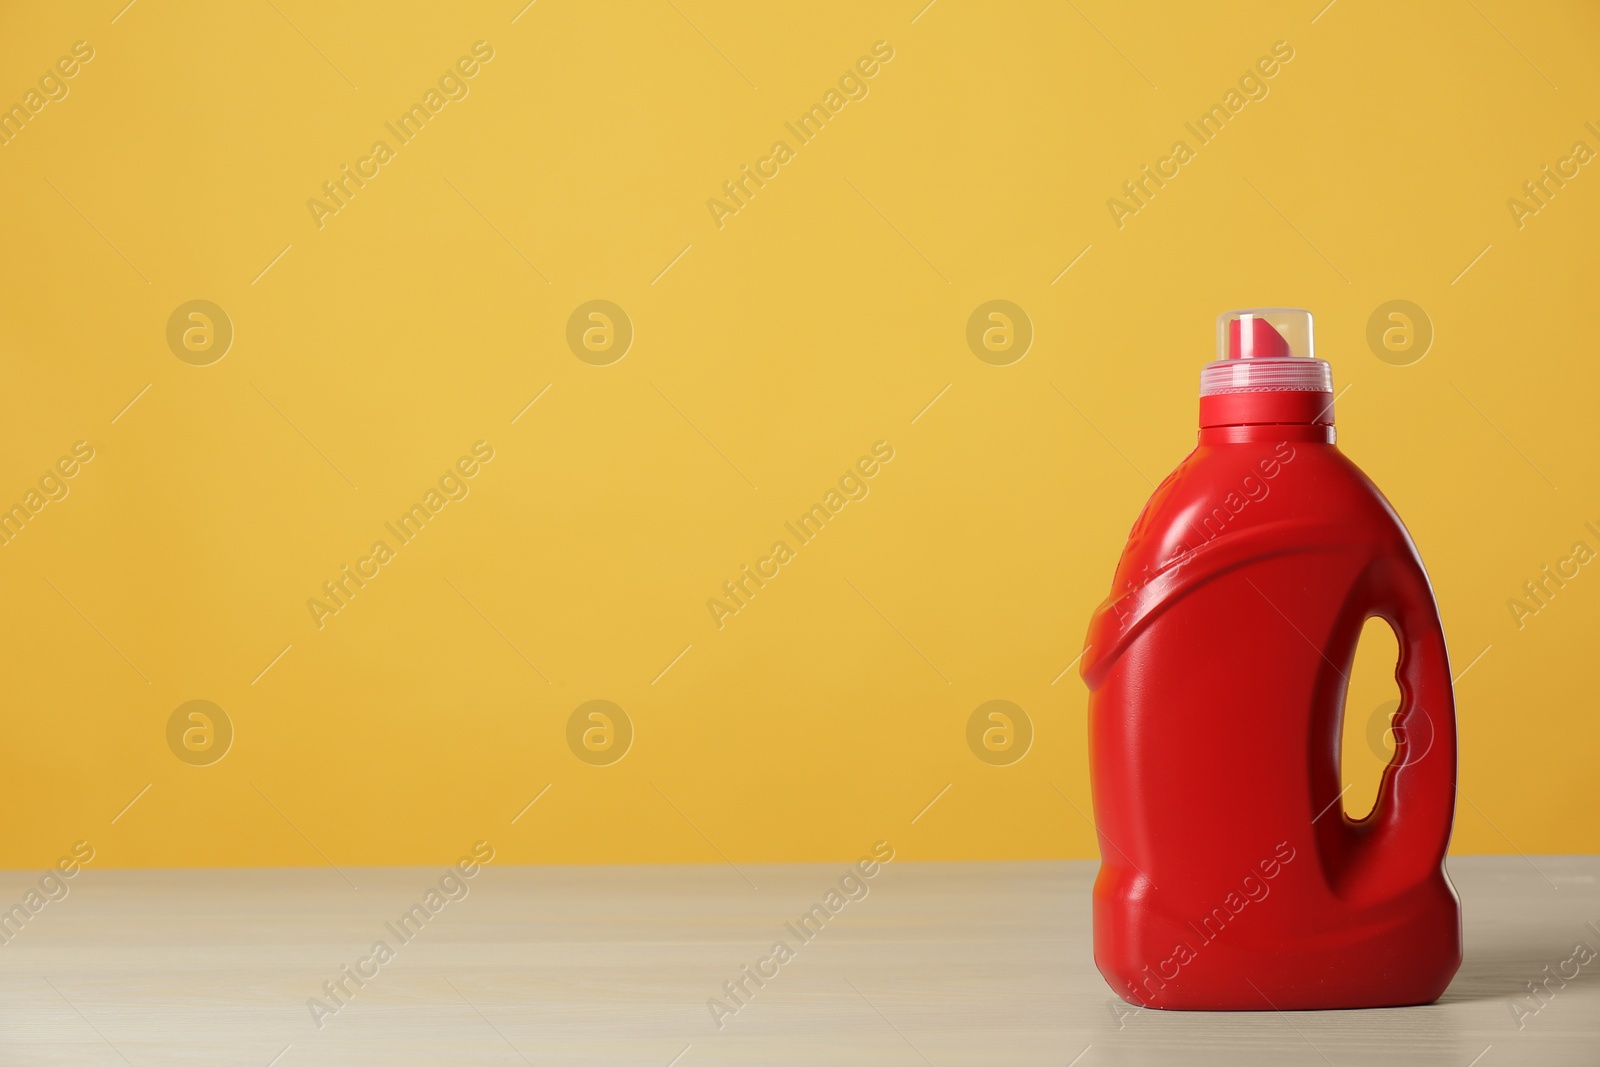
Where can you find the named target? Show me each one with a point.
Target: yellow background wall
(769, 354)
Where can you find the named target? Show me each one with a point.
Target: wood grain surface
(936, 964)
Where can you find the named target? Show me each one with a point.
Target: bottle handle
(1402, 842)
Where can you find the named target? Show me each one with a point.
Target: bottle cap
(1266, 374)
(1265, 350)
(1265, 333)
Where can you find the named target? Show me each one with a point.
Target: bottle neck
(1266, 415)
(1266, 398)
(1251, 433)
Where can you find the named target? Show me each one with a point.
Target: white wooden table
(939, 964)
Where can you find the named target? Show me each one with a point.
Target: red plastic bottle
(1231, 877)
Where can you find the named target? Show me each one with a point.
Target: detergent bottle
(1231, 877)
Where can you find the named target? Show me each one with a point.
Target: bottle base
(1399, 955)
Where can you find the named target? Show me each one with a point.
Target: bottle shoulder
(1221, 490)
(1228, 507)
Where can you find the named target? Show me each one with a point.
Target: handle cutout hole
(1370, 702)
